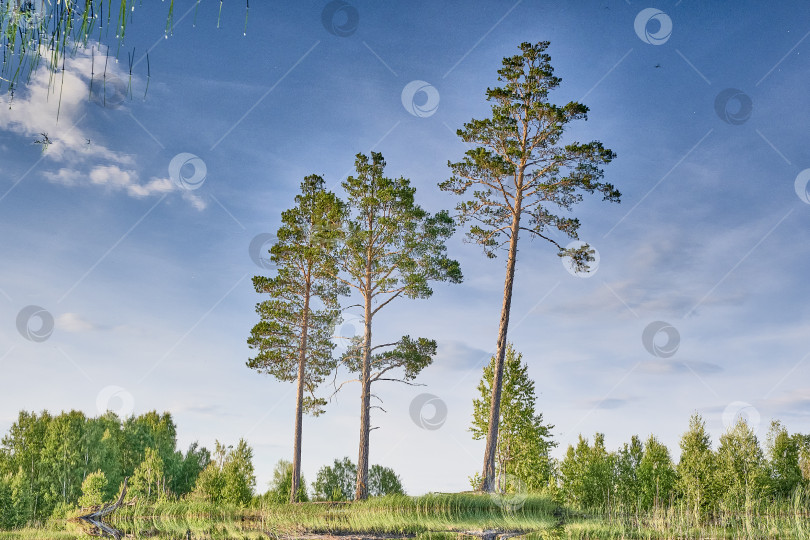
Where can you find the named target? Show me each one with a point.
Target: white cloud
(57, 107)
(155, 185)
(66, 177)
(195, 200)
(111, 175)
(115, 178)
(73, 322)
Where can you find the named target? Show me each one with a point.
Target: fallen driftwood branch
(96, 519)
(110, 508)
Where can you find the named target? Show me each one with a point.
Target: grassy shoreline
(391, 516)
(433, 516)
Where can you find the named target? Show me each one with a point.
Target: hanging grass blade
(170, 18)
(196, 6)
(247, 10)
(148, 76)
(92, 71)
(131, 61)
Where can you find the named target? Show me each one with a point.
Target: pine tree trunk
(488, 475)
(361, 491)
(299, 404)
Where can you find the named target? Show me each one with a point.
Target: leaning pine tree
(294, 335)
(520, 175)
(392, 248)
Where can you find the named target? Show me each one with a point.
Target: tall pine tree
(293, 337)
(520, 176)
(392, 248)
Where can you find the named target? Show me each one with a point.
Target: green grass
(787, 518)
(436, 517)
(432, 516)
(393, 515)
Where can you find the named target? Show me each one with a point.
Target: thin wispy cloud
(53, 110)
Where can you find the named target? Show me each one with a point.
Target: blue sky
(149, 286)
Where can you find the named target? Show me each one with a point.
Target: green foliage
(93, 489)
(784, 454)
(104, 435)
(306, 272)
(148, 481)
(49, 457)
(697, 470)
(804, 461)
(294, 340)
(150, 430)
(229, 477)
(656, 475)
(23, 445)
(64, 448)
(385, 226)
(239, 478)
(390, 247)
(281, 485)
(518, 177)
(517, 167)
(587, 473)
(23, 499)
(628, 484)
(209, 485)
(7, 516)
(191, 465)
(704, 487)
(523, 439)
(741, 467)
(383, 481)
(336, 483)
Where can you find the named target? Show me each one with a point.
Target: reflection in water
(96, 519)
(150, 529)
(99, 528)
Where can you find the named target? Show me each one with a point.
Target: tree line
(49, 464)
(45, 459)
(739, 474)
